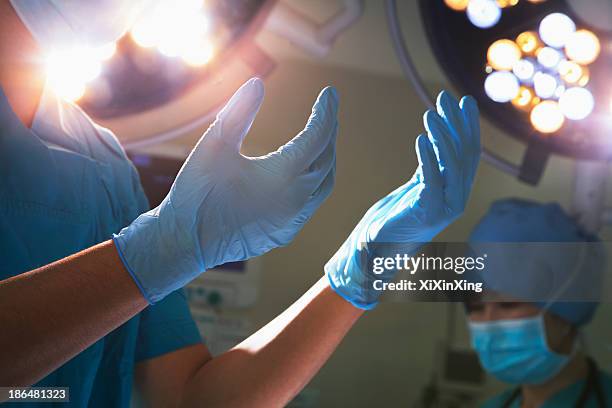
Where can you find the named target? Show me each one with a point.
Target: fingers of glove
(469, 109)
(451, 168)
(428, 162)
(237, 116)
(448, 109)
(299, 153)
(327, 158)
(318, 196)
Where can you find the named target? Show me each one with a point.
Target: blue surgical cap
(521, 221)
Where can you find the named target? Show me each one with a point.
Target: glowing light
(524, 70)
(583, 47)
(105, 52)
(544, 84)
(68, 71)
(507, 3)
(570, 71)
(546, 117)
(556, 28)
(503, 54)
(176, 29)
(483, 13)
(457, 5)
(523, 99)
(528, 41)
(501, 86)
(198, 56)
(577, 103)
(549, 57)
(586, 76)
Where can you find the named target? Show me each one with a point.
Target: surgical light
(503, 54)
(507, 3)
(583, 47)
(524, 70)
(544, 84)
(68, 71)
(577, 103)
(570, 71)
(524, 98)
(501, 86)
(483, 13)
(528, 42)
(555, 29)
(548, 57)
(546, 117)
(457, 5)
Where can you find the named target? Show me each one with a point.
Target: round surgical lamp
(539, 70)
(182, 60)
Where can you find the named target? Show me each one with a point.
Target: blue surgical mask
(516, 351)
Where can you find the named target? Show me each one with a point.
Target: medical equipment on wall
(539, 70)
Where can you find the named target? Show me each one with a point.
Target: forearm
(274, 364)
(52, 313)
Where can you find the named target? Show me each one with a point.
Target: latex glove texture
(416, 212)
(224, 206)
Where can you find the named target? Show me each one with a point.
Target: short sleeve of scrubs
(165, 327)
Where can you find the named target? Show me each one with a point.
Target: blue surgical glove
(226, 207)
(416, 212)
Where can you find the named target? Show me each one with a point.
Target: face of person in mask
(517, 342)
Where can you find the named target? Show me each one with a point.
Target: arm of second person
(268, 369)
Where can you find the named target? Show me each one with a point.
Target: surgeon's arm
(50, 314)
(266, 370)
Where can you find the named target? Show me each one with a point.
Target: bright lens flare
(524, 98)
(69, 71)
(503, 54)
(570, 71)
(548, 57)
(577, 103)
(457, 5)
(546, 117)
(544, 84)
(176, 29)
(583, 47)
(556, 28)
(524, 70)
(501, 86)
(528, 42)
(483, 13)
(507, 3)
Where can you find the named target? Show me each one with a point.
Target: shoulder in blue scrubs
(566, 398)
(67, 185)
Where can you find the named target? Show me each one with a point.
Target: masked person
(80, 310)
(534, 345)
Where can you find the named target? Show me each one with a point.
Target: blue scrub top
(67, 185)
(566, 398)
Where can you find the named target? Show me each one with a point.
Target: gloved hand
(226, 207)
(416, 212)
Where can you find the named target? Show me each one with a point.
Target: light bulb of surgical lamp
(503, 54)
(501, 86)
(548, 57)
(483, 13)
(556, 28)
(570, 71)
(523, 99)
(457, 5)
(68, 71)
(106, 51)
(544, 84)
(577, 103)
(199, 56)
(507, 3)
(524, 70)
(546, 117)
(528, 42)
(583, 47)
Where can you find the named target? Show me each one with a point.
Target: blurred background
(399, 354)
